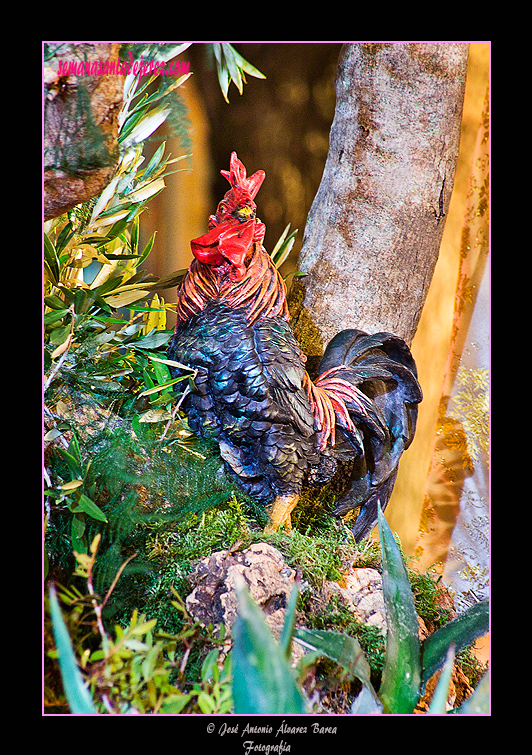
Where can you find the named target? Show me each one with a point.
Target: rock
(360, 590)
(268, 578)
(459, 690)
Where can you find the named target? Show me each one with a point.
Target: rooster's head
(235, 227)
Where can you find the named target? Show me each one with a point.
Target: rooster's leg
(280, 512)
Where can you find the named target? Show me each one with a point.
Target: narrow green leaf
(64, 237)
(289, 621)
(232, 66)
(55, 302)
(163, 386)
(283, 247)
(208, 664)
(223, 73)
(478, 703)
(340, 648)
(51, 259)
(224, 79)
(55, 314)
(438, 703)
(77, 694)
(87, 506)
(263, 682)
(401, 676)
(246, 66)
(462, 631)
(154, 162)
(135, 235)
(153, 340)
(366, 704)
(171, 362)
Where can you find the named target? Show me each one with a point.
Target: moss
(335, 616)
(473, 669)
(427, 589)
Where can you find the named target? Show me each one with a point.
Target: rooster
(278, 430)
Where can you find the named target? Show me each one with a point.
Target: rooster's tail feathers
(376, 377)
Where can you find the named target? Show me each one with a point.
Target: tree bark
(373, 233)
(80, 126)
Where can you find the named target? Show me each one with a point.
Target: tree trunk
(80, 124)
(374, 229)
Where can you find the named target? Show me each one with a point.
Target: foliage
(195, 675)
(138, 670)
(79, 700)
(259, 664)
(105, 322)
(263, 681)
(122, 469)
(231, 66)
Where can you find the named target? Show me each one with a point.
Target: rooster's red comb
(236, 176)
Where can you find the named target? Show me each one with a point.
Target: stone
(360, 590)
(268, 578)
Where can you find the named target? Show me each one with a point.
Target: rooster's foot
(280, 512)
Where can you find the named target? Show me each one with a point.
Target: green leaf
(208, 664)
(153, 340)
(289, 620)
(72, 457)
(55, 314)
(64, 237)
(85, 505)
(462, 631)
(401, 677)
(163, 386)
(60, 335)
(283, 247)
(263, 682)
(478, 703)
(438, 703)
(51, 260)
(232, 66)
(366, 704)
(77, 531)
(340, 648)
(77, 694)
(246, 66)
(162, 373)
(223, 73)
(54, 302)
(154, 162)
(147, 249)
(175, 703)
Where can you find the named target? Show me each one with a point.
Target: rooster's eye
(243, 212)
